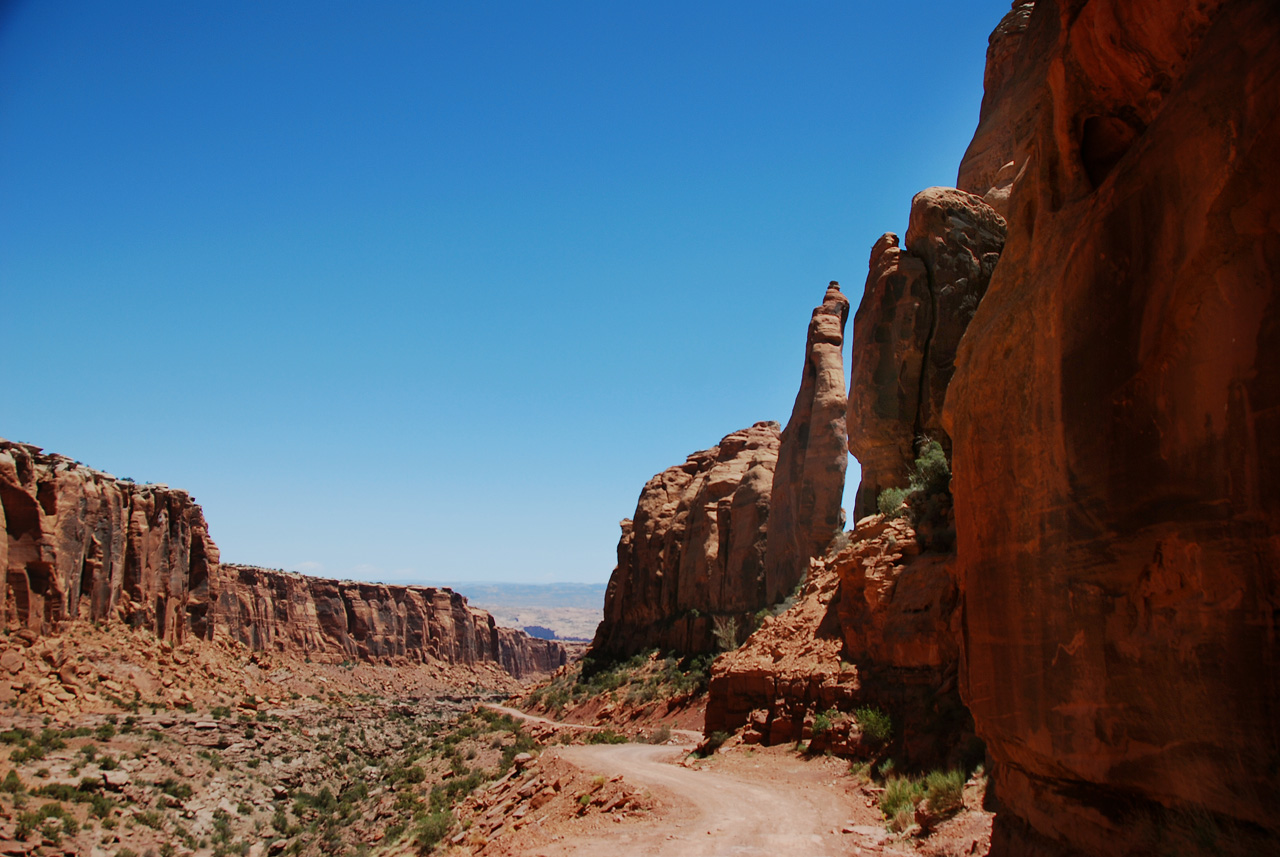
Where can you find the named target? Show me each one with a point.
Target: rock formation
(280, 611)
(694, 550)
(1117, 498)
(82, 545)
(808, 485)
(872, 626)
(914, 310)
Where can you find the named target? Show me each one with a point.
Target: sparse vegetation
(926, 501)
(725, 630)
(876, 726)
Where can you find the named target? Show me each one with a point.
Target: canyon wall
(1117, 497)
(83, 545)
(694, 550)
(267, 609)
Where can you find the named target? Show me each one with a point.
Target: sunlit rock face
(1113, 416)
(808, 485)
(915, 308)
(79, 544)
(694, 549)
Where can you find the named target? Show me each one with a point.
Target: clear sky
(428, 290)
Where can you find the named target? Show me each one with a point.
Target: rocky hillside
(83, 545)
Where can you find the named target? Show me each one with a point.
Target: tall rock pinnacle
(808, 483)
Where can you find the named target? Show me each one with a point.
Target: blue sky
(416, 291)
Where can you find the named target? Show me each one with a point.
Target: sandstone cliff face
(336, 620)
(694, 549)
(1116, 489)
(79, 544)
(914, 310)
(808, 483)
(82, 545)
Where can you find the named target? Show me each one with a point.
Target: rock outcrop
(914, 310)
(80, 544)
(1116, 489)
(271, 610)
(83, 545)
(873, 626)
(805, 511)
(694, 550)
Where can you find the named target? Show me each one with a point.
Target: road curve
(730, 814)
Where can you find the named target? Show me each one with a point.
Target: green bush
(606, 736)
(898, 802)
(890, 502)
(431, 830)
(877, 727)
(945, 791)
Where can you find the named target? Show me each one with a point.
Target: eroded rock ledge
(80, 544)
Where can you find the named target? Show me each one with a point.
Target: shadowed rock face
(914, 310)
(80, 544)
(694, 549)
(1113, 416)
(808, 484)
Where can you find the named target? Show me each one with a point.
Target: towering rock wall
(1116, 489)
(79, 544)
(694, 550)
(808, 484)
(914, 310)
(272, 610)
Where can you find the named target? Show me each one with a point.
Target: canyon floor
(119, 746)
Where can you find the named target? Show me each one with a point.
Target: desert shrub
(150, 818)
(179, 790)
(105, 732)
(606, 736)
(661, 735)
(927, 499)
(11, 783)
(898, 802)
(725, 630)
(877, 727)
(945, 790)
(890, 502)
(823, 721)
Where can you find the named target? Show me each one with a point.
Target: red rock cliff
(914, 310)
(808, 483)
(1113, 413)
(338, 620)
(694, 550)
(81, 544)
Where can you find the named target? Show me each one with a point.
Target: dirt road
(741, 812)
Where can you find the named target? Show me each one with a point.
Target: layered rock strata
(79, 544)
(805, 511)
(272, 610)
(1116, 489)
(694, 550)
(916, 305)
